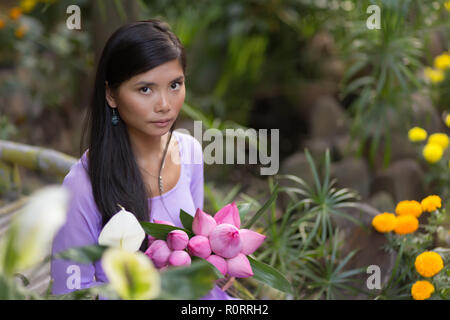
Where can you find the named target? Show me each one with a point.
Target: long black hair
(115, 176)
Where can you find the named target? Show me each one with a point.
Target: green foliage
(302, 244)
(383, 67)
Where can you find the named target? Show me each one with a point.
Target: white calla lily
(123, 231)
(33, 228)
(131, 274)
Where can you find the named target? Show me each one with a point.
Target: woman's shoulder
(191, 147)
(77, 181)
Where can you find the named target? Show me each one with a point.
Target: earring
(114, 118)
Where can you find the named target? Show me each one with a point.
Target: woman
(132, 157)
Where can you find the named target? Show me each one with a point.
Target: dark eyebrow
(145, 83)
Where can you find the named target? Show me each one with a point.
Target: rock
(344, 146)
(401, 147)
(382, 201)
(424, 114)
(307, 95)
(327, 118)
(297, 165)
(352, 173)
(369, 244)
(404, 179)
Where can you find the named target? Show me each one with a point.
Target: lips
(161, 121)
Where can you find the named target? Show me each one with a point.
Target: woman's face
(155, 95)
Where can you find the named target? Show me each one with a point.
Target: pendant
(161, 184)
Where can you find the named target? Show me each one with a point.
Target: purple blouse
(83, 224)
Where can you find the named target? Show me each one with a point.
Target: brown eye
(147, 89)
(175, 83)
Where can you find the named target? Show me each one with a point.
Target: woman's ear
(109, 95)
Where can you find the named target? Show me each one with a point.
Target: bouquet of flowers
(217, 239)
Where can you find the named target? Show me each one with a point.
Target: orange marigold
(422, 290)
(15, 13)
(409, 207)
(431, 203)
(406, 224)
(384, 222)
(429, 263)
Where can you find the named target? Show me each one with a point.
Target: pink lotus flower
(251, 240)
(203, 223)
(151, 238)
(199, 246)
(225, 240)
(177, 240)
(179, 258)
(228, 214)
(163, 222)
(218, 262)
(159, 253)
(239, 266)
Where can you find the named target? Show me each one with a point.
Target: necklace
(160, 179)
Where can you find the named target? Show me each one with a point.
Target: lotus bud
(228, 214)
(218, 262)
(177, 240)
(225, 240)
(159, 252)
(203, 223)
(151, 238)
(251, 240)
(199, 246)
(239, 266)
(163, 222)
(179, 258)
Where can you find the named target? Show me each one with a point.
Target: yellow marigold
(2, 24)
(417, 134)
(429, 264)
(409, 207)
(442, 61)
(15, 13)
(384, 222)
(431, 203)
(447, 120)
(432, 152)
(447, 5)
(440, 139)
(422, 290)
(435, 76)
(27, 5)
(406, 224)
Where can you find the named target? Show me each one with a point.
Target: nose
(163, 104)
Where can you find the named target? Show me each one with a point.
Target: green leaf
(263, 208)
(243, 209)
(160, 231)
(188, 283)
(270, 276)
(83, 254)
(186, 219)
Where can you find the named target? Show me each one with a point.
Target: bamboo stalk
(36, 158)
(14, 206)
